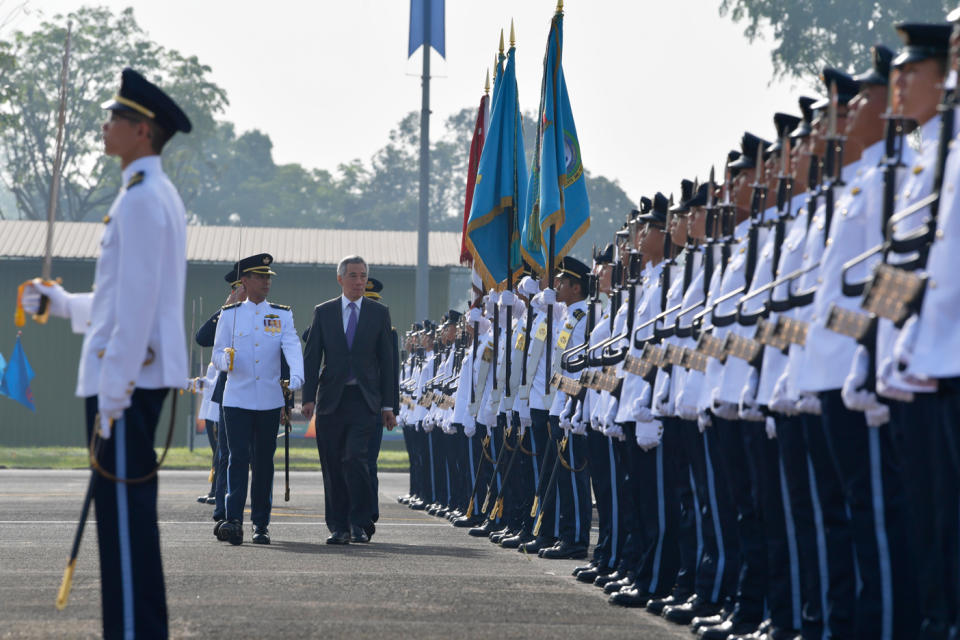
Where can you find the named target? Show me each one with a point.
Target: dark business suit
(347, 415)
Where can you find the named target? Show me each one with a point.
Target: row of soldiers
(757, 384)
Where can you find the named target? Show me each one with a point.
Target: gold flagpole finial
(486, 86)
(513, 35)
(501, 41)
(559, 6)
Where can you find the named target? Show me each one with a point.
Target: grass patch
(302, 458)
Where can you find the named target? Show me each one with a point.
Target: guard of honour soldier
(755, 382)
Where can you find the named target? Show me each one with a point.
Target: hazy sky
(660, 90)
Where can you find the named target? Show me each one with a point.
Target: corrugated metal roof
(81, 241)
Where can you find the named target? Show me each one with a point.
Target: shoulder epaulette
(578, 314)
(285, 307)
(135, 179)
(230, 306)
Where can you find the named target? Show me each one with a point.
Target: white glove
(295, 382)
(59, 304)
(549, 296)
(721, 409)
(507, 298)
(748, 409)
(611, 413)
(110, 409)
(771, 426)
(903, 348)
(886, 374)
(491, 305)
(475, 315)
(648, 434)
(426, 426)
(878, 416)
(662, 401)
(855, 397)
(470, 429)
(615, 431)
(536, 302)
(565, 423)
(809, 403)
(528, 287)
(703, 420)
(640, 407)
(780, 401)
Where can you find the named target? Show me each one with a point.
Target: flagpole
(422, 296)
(511, 213)
(551, 246)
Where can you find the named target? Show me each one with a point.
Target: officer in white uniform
(134, 351)
(250, 338)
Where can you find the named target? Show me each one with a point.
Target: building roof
(81, 241)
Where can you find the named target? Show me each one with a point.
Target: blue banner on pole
(424, 15)
(557, 195)
(15, 383)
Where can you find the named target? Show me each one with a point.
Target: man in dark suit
(349, 372)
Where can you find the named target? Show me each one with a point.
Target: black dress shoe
(442, 512)
(701, 622)
(578, 570)
(625, 582)
(589, 575)
(211, 499)
(417, 505)
(693, 608)
(515, 542)
(217, 531)
(202, 499)
(657, 605)
(535, 545)
(629, 597)
(500, 534)
(464, 522)
(232, 532)
(565, 551)
(726, 629)
(339, 537)
(403, 499)
(260, 536)
(604, 580)
(357, 534)
(483, 529)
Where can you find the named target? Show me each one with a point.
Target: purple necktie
(351, 324)
(351, 332)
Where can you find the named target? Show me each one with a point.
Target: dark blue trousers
(133, 596)
(948, 397)
(252, 438)
(864, 457)
(659, 516)
(220, 477)
(635, 539)
(794, 470)
(438, 466)
(210, 428)
(680, 491)
(602, 467)
(742, 455)
(573, 508)
(485, 453)
(408, 439)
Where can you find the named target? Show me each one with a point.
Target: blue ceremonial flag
(557, 193)
(3, 365)
(15, 382)
(500, 190)
(433, 11)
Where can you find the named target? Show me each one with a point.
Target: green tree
(811, 34)
(102, 44)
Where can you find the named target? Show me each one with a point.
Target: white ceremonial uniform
(258, 334)
(209, 410)
(135, 335)
(827, 355)
(938, 332)
(648, 306)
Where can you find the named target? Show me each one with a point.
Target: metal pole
(423, 227)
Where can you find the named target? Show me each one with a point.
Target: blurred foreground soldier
(372, 292)
(128, 363)
(250, 338)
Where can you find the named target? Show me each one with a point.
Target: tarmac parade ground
(419, 577)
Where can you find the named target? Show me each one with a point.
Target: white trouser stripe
(715, 516)
(883, 546)
(576, 496)
(615, 502)
(791, 545)
(123, 528)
